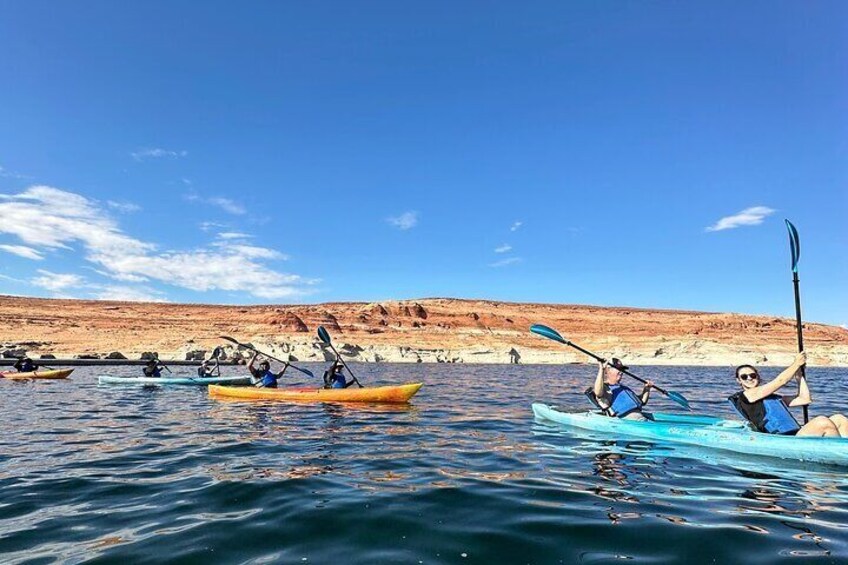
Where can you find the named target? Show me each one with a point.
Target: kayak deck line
(706, 432)
(391, 393)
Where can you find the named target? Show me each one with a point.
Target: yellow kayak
(50, 374)
(395, 393)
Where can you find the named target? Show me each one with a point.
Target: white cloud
(515, 226)
(234, 235)
(753, 216)
(157, 153)
(506, 262)
(226, 204)
(129, 294)
(6, 173)
(23, 251)
(209, 226)
(57, 282)
(405, 221)
(503, 248)
(125, 207)
(43, 217)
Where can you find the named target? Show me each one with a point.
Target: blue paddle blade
(795, 244)
(679, 398)
(547, 332)
(322, 333)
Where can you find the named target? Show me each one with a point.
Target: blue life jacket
(155, 373)
(623, 401)
(338, 381)
(769, 415)
(269, 380)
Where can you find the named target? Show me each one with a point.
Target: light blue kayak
(705, 431)
(186, 381)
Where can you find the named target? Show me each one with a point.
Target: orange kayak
(50, 374)
(395, 393)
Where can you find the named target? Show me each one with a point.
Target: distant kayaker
(769, 412)
(262, 376)
(25, 365)
(334, 376)
(207, 369)
(616, 399)
(153, 369)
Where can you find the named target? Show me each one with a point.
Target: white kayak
(705, 431)
(186, 381)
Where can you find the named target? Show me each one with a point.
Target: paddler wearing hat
(616, 399)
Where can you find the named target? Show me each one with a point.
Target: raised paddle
(325, 337)
(795, 247)
(286, 363)
(551, 333)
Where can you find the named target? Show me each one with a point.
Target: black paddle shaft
(602, 360)
(800, 332)
(339, 357)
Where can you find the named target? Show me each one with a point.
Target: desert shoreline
(431, 330)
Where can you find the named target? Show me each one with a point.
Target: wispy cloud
(516, 226)
(157, 153)
(47, 218)
(23, 251)
(405, 221)
(506, 262)
(124, 207)
(753, 216)
(57, 282)
(503, 248)
(128, 294)
(6, 173)
(234, 235)
(226, 204)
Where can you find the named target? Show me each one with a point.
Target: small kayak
(49, 374)
(706, 432)
(395, 393)
(186, 381)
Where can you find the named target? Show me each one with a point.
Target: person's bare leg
(841, 423)
(820, 426)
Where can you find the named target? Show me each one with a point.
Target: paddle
(795, 248)
(325, 337)
(550, 333)
(164, 366)
(250, 347)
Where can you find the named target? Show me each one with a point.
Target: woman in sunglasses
(769, 412)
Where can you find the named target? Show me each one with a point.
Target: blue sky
(544, 152)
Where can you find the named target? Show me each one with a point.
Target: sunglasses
(749, 377)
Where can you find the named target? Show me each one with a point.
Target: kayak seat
(590, 394)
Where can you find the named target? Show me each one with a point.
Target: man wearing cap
(263, 376)
(616, 399)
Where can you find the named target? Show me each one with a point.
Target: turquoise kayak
(706, 432)
(187, 381)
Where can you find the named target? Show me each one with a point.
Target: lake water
(464, 474)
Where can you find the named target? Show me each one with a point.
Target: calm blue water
(463, 475)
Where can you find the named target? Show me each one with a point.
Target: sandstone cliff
(430, 330)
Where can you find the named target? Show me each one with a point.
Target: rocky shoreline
(436, 330)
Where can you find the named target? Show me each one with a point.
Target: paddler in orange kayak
(263, 376)
(25, 365)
